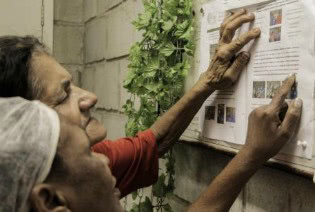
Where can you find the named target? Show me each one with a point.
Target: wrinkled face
(88, 184)
(60, 93)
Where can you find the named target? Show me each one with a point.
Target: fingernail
(228, 14)
(256, 30)
(245, 56)
(298, 103)
(251, 15)
(289, 76)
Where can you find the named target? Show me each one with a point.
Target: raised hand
(226, 66)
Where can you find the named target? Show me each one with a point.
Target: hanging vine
(157, 69)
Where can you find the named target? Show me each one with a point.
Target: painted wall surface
(108, 36)
(68, 36)
(92, 39)
(28, 19)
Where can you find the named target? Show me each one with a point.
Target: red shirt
(133, 161)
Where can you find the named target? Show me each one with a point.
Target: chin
(103, 134)
(118, 206)
(99, 136)
(96, 131)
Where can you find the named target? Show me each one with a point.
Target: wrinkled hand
(267, 132)
(226, 67)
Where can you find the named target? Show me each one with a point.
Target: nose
(87, 100)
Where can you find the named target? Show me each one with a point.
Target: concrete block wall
(108, 36)
(270, 190)
(68, 36)
(92, 39)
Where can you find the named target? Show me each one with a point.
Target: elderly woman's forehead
(45, 65)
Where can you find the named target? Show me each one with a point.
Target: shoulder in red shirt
(133, 161)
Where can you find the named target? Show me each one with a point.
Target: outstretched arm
(222, 73)
(267, 134)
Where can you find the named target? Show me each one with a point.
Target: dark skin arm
(267, 134)
(222, 73)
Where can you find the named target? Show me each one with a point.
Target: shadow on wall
(270, 190)
(195, 168)
(274, 190)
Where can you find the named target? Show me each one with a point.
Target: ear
(45, 197)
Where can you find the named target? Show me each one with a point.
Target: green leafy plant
(157, 69)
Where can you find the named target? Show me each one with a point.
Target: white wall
(20, 17)
(68, 36)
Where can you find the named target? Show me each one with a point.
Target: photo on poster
(275, 34)
(210, 113)
(221, 110)
(275, 17)
(272, 87)
(259, 88)
(230, 114)
(213, 48)
(286, 46)
(293, 94)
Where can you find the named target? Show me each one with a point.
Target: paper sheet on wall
(236, 4)
(286, 46)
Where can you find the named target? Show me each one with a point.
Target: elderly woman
(46, 163)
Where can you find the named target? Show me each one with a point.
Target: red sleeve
(133, 161)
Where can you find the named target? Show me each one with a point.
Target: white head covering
(29, 133)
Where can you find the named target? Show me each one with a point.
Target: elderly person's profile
(46, 163)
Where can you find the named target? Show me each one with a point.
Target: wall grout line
(95, 62)
(68, 23)
(115, 111)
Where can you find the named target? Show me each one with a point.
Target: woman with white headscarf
(29, 133)
(31, 177)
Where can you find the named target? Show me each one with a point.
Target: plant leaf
(168, 49)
